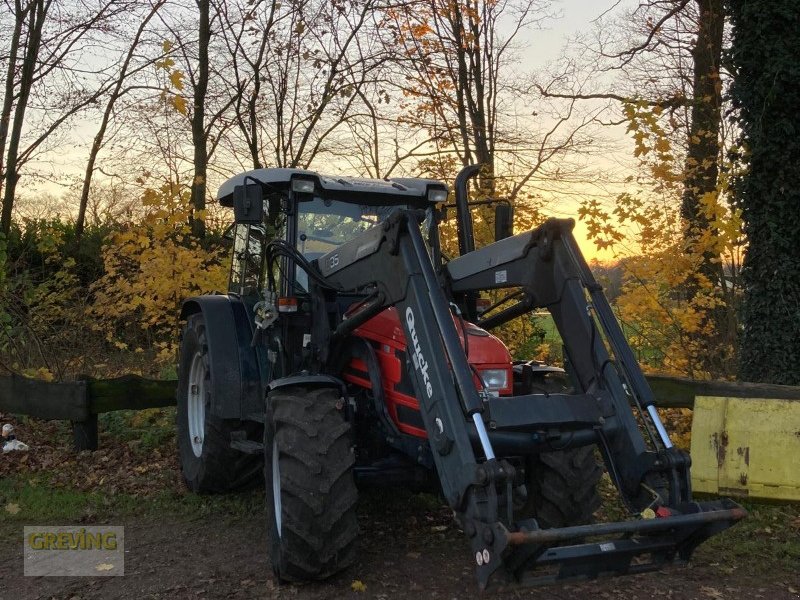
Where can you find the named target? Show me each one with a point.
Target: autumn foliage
(679, 319)
(110, 303)
(150, 269)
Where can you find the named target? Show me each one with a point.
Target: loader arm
(392, 260)
(548, 267)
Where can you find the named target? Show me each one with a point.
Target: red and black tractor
(349, 349)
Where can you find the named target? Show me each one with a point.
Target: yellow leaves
(176, 79)
(165, 64)
(651, 142)
(358, 586)
(150, 269)
(42, 373)
(179, 104)
(12, 508)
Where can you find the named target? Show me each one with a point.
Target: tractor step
(240, 442)
(247, 446)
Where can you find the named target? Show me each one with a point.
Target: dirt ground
(401, 557)
(215, 547)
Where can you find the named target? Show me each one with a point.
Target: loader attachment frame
(465, 423)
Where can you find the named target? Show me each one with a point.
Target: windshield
(323, 225)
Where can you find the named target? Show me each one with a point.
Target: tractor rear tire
(311, 494)
(562, 487)
(208, 463)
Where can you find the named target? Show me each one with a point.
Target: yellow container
(746, 447)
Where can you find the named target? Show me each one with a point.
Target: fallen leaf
(104, 567)
(12, 508)
(711, 592)
(358, 586)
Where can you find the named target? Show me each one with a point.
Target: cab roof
(405, 187)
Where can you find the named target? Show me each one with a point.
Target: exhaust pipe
(466, 237)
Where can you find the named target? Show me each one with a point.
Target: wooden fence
(81, 401)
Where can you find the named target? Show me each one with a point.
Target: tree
(49, 41)
(668, 58)
(117, 91)
(766, 35)
(247, 31)
(458, 59)
(320, 60)
(199, 79)
(31, 14)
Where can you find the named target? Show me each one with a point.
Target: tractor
(350, 350)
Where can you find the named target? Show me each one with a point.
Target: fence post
(84, 433)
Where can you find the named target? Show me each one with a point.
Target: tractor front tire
(208, 463)
(310, 490)
(562, 487)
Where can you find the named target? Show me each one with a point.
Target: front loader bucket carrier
(545, 556)
(472, 434)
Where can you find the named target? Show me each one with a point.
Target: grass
(768, 540)
(544, 321)
(29, 500)
(151, 428)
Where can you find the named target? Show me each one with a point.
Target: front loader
(350, 351)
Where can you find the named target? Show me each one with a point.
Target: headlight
(437, 195)
(495, 379)
(303, 186)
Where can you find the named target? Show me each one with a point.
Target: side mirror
(248, 203)
(503, 221)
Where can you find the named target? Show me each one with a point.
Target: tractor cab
(315, 214)
(297, 216)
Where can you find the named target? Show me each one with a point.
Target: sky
(541, 47)
(549, 45)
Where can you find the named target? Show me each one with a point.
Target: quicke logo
(419, 360)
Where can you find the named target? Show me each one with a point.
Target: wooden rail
(81, 401)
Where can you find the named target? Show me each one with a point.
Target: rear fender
(237, 377)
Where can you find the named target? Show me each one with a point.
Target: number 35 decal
(333, 261)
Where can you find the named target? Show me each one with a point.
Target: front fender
(237, 376)
(312, 381)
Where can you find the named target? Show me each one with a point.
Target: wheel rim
(276, 486)
(196, 405)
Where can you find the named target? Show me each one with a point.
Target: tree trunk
(198, 124)
(702, 166)
(766, 35)
(8, 98)
(36, 18)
